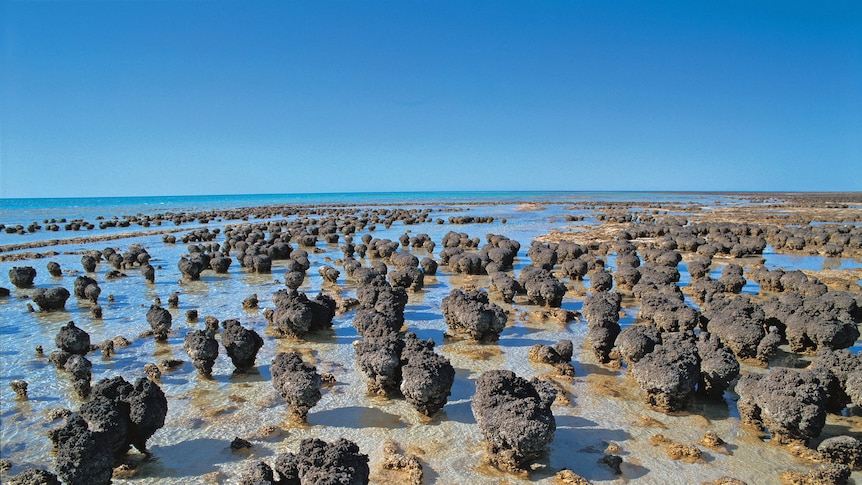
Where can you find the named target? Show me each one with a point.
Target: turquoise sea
(603, 405)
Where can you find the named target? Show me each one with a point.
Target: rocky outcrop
(241, 344)
(515, 418)
(298, 383)
(470, 313)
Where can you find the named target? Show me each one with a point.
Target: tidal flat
(677, 262)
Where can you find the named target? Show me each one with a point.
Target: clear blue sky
(105, 98)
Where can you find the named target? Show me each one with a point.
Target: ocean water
(602, 406)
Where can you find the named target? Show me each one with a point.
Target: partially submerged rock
(471, 313)
(515, 417)
(297, 382)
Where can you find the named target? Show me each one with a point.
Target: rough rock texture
(514, 416)
(602, 312)
(471, 313)
(380, 360)
(22, 276)
(86, 288)
(506, 285)
(739, 323)
(241, 344)
(34, 476)
(427, 377)
(541, 287)
(202, 348)
(824, 474)
(297, 382)
(83, 457)
(670, 373)
(295, 314)
(846, 450)
(718, 366)
(72, 339)
(51, 299)
(791, 404)
(637, 340)
(319, 462)
(160, 321)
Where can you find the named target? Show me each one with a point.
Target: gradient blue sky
(104, 98)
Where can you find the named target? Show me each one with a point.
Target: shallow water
(603, 405)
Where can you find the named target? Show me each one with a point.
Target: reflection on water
(598, 407)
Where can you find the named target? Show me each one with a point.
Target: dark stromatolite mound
(718, 366)
(601, 280)
(514, 416)
(190, 268)
(410, 277)
(295, 314)
(841, 364)
(829, 320)
(637, 340)
(541, 287)
(668, 311)
(380, 360)
(470, 312)
(427, 377)
(428, 265)
(72, 339)
(51, 299)
(602, 312)
(791, 404)
(329, 274)
(319, 462)
(202, 348)
(54, 269)
(241, 344)
(846, 450)
(160, 321)
(22, 276)
(88, 262)
(739, 323)
(127, 414)
(670, 373)
(83, 457)
(86, 288)
(297, 382)
(148, 272)
(34, 476)
(506, 285)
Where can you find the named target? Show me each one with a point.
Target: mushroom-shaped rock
(409, 277)
(72, 339)
(427, 377)
(241, 344)
(506, 285)
(79, 369)
(514, 415)
(297, 382)
(22, 276)
(160, 321)
(51, 299)
(88, 262)
(202, 348)
(789, 403)
(471, 313)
